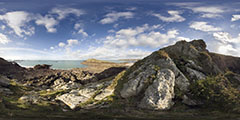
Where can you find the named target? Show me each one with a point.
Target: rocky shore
(182, 81)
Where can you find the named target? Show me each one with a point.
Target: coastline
(67, 64)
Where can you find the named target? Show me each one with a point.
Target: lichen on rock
(159, 95)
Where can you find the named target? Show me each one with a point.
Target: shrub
(216, 92)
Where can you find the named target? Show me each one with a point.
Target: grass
(163, 54)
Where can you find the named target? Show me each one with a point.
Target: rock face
(145, 78)
(137, 83)
(189, 62)
(146, 71)
(159, 95)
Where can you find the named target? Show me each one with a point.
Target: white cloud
(114, 16)
(4, 39)
(61, 44)
(183, 38)
(72, 42)
(52, 48)
(222, 36)
(3, 27)
(78, 25)
(210, 15)
(140, 36)
(174, 16)
(132, 8)
(204, 26)
(64, 12)
(80, 30)
(225, 37)
(227, 49)
(22, 49)
(235, 18)
(48, 21)
(15, 53)
(124, 43)
(18, 25)
(207, 11)
(227, 44)
(106, 52)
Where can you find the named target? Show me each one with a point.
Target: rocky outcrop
(4, 86)
(159, 95)
(11, 69)
(138, 82)
(89, 94)
(190, 62)
(44, 66)
(144, 73)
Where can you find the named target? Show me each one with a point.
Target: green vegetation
(52, 93)
(217, 92)
(162, 54)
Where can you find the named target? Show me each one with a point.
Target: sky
(114, 29)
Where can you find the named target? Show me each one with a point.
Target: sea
(57, 64)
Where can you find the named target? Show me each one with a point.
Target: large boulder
(72, 99)
(144, 72)
(159, 95)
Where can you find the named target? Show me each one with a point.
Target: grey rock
(87, 92)
(6, 91)
(191, 102)
(193, 74)
(32, 98)
(105, 93)
(72, 100)
(137, 82)
(4, 81)
(192, 64)
(75, 97)
(140, 76)
(67, 86)
(159, 95)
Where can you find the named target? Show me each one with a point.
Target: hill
(182, 81)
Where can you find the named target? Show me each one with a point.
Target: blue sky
(113, 29)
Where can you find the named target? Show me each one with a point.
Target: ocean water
(57, 64)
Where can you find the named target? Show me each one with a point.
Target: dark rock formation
(44, 66)
(11, 69)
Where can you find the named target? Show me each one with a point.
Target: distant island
(182, 81)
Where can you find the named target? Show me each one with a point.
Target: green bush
(216, 92)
